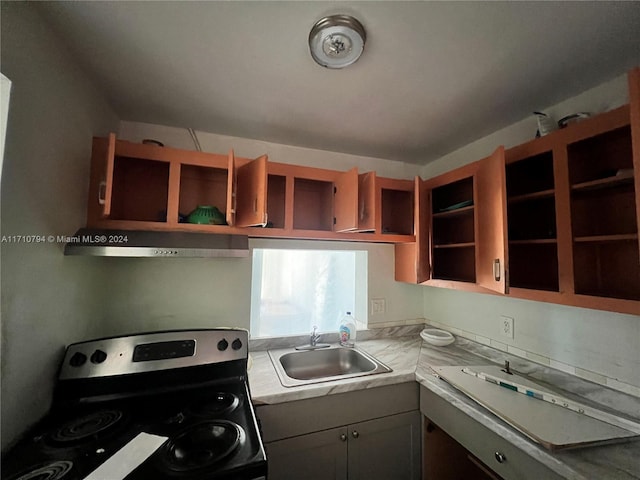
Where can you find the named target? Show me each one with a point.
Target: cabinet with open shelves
(531, 220)
(151, 187)
(453, 231)
(396, 206)
(573, 199)
(606, 257)
(460, 229)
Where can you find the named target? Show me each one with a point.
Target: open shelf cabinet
(606, 257)
(531, 221)
(453, 231)
(460, 229)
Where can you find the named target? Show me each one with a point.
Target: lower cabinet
(385, 448)
(314, 456)
(476, 452)
(446, 459)
(371, 434)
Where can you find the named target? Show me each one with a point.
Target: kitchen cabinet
(364, 434)
(383, 448)
(460, 229)
(445, 459)
(140, 186)
(573, 208)
(562, 211)
(151, 187)
(314, 456)
(455, 442)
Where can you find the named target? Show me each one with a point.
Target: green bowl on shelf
(207, 215)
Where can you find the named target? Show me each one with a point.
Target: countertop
(412, 359)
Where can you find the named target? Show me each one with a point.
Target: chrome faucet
(314, 337)
(313, 341)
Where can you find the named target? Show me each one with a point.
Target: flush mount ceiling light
(337, 41)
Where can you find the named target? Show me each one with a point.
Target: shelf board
(532, 241)
(453, 213)
(608, 182)
(532, 196)
(606, 238)
(455, 245)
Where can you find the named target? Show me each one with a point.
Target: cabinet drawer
(482, 442)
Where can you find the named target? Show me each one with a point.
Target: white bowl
(437, 337)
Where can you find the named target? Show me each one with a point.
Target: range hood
(137, 243)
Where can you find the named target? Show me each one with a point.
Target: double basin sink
(295, 368)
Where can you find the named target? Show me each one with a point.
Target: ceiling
(433, 77)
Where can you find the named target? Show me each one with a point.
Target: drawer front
(514, 464)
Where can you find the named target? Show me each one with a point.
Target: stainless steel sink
(296, 368)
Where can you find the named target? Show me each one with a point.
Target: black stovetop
(202, 413)
(211, 434)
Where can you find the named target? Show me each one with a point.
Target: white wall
(600, 346)
(48, 300)
(248, 148)
(151, 294)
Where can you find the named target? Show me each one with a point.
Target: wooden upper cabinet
(126, 183)
(251, 193)
(453, 229)
(137, 186)
(491, 222)
(346, 201)
(460, 229)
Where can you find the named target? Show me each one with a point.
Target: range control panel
(150, 352)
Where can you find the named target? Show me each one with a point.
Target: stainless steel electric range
(166, 405)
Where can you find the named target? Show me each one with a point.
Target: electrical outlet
(506, 326)
(377, 306)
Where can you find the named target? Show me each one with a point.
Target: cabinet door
(230, 214)
(412, 260)
(251, 193)
(367, 202)
(346, 201)
(106, 185)
(315, 456)
(387, 448)
(491, 231)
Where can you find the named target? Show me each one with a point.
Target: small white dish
(437, 337)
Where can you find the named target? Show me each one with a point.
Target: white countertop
(411, 360)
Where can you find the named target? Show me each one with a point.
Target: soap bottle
(348, 331)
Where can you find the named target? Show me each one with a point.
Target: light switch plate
(377, 306)
(506, 326)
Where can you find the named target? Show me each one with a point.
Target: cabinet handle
(355, 434)
(343, 437)
(500, 457)
(102, 192)
(496, 269)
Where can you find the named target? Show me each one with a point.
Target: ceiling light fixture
(337, 41)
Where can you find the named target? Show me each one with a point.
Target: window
(293, 290)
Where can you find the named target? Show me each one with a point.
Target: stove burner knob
(222, 345)
(98, 356)
(237, 344)
(78, 359)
